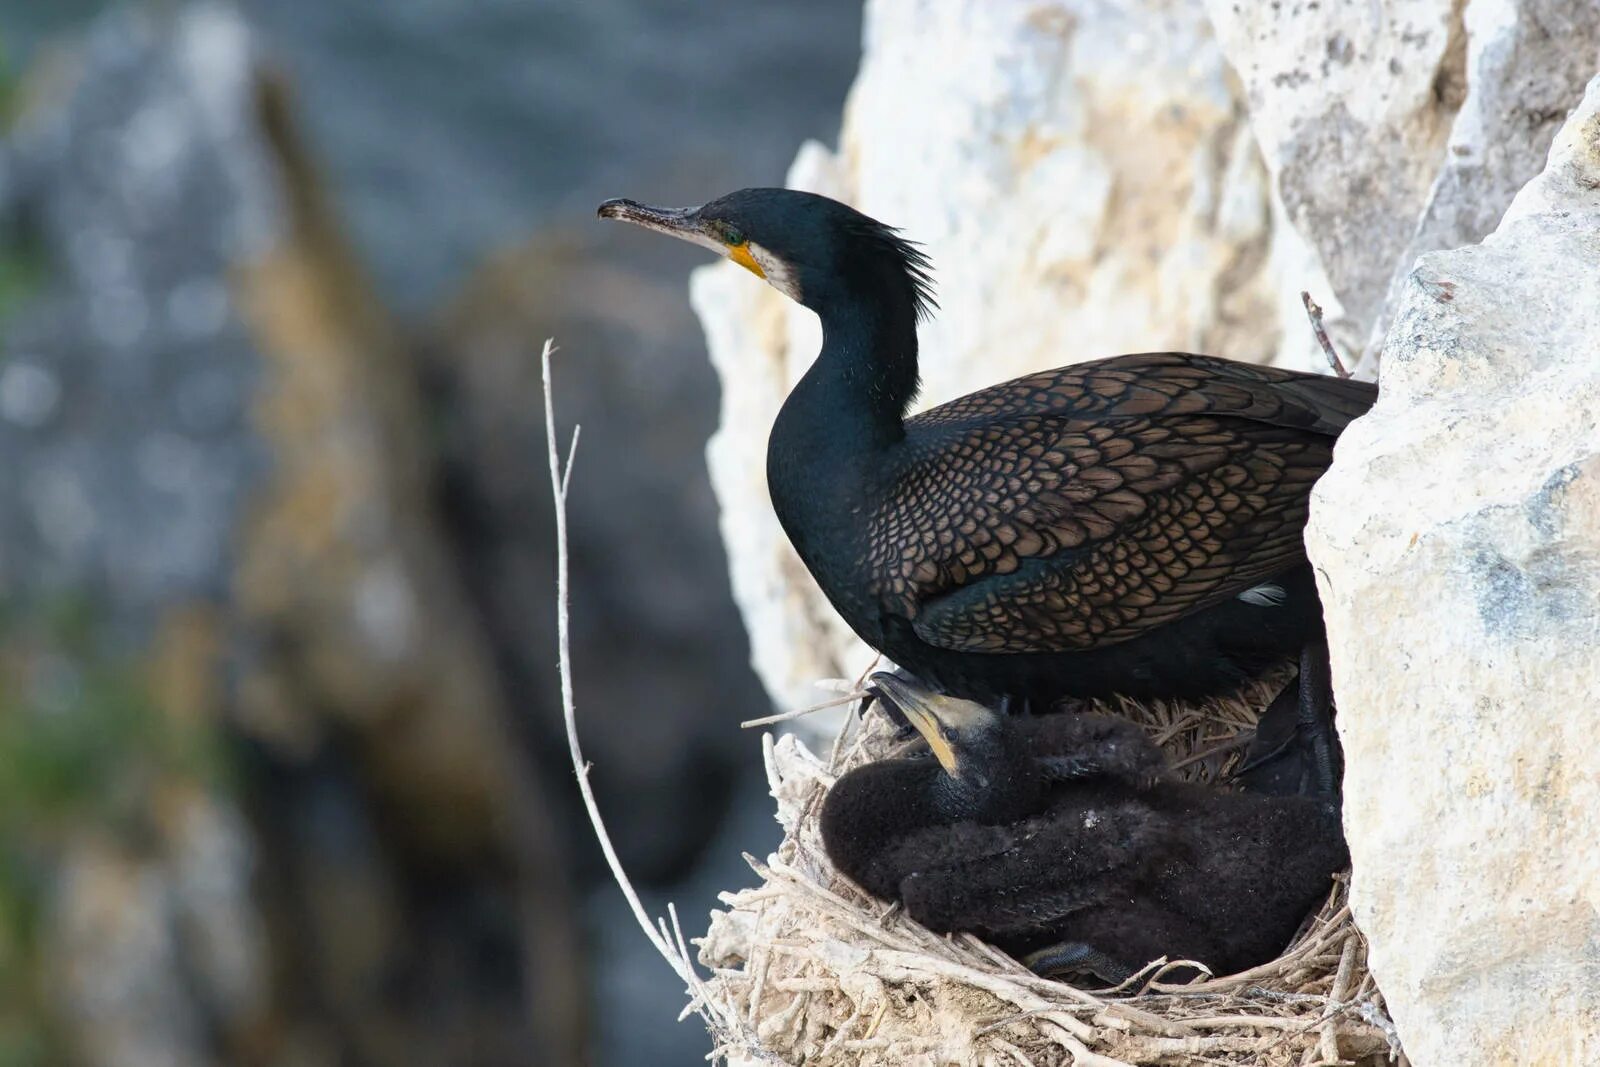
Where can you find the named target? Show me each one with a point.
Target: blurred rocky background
(281, 777)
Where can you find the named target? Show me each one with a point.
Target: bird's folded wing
(1079, 508)
(1169, 383)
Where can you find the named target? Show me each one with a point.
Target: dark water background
(453, 133)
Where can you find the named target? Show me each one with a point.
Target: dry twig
(785, 716)
(1314, 313)
(672, 948)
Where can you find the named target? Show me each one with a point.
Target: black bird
(1058, 840)
(1129, 525)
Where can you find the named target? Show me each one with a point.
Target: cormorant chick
(1129, 525)
(1056, 838)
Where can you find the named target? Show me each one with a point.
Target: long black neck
(870, 348)
(828, 455)
(855, 395)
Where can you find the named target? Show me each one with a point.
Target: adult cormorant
(1129, 525)
(1057, 839)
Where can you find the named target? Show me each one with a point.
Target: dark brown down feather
(1063, 829)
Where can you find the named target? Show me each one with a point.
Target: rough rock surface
(1403, 127)
(1086, 184)
(1526, 64)
(153, 953)
(124, 386)
(1351, 104)
(1457, 540)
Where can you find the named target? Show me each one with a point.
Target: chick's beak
(921, 708)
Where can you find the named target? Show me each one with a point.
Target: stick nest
(808, 969)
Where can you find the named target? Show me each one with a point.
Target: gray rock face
(1351, 104)
(1526, 63)
(1457, 543)
(250, 499)
(125, 386)
(150, 955)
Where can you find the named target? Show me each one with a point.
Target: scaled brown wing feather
(1169, 383)
(1078, 508)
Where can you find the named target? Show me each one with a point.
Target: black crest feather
(909, 254)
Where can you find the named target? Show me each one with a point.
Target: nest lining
(808, 969)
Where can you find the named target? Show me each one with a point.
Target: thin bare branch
(785, 716)
(572, 452)
(1314, 313)
(1328, 1044)
(675, 958)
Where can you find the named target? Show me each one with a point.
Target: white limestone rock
(1086, 183)
(1527, 62)
(1351, 103)
(1457, 543)
(1400, 127)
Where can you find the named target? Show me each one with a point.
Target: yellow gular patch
(740, 254)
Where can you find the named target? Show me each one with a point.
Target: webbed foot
(1316, 720)
(1076, 958)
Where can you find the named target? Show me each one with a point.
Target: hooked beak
(921, 708)
(681, 222)
(684, 223)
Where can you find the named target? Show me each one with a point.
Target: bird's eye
(732, 235)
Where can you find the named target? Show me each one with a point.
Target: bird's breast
(829, 509)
